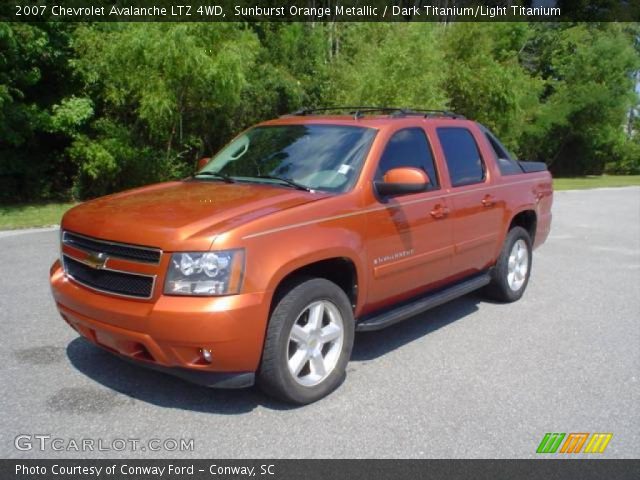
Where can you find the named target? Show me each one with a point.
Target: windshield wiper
(226, 178)
(286, 181)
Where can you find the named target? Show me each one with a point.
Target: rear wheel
(308, 342)
(513, 268)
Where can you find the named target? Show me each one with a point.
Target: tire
(509, 285)
(316, 348)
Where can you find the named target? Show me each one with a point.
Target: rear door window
(462, 156)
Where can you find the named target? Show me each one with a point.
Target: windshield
(316, 157)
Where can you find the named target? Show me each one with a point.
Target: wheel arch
(340, 269)
(526, 218)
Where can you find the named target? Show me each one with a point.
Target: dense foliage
(87, 109)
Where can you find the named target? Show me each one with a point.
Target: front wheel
(308, 343)
(510, 276)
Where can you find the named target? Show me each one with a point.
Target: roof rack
(433, 113)
(395, 112)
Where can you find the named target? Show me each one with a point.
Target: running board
(422, 304)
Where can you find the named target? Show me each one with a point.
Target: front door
(409, 240)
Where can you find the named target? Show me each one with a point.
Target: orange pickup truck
(300, 232)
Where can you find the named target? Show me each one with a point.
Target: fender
(509, 215)
(314, 255)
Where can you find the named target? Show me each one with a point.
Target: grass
(32, 215)
(580, 183)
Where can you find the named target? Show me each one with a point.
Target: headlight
(205, 273)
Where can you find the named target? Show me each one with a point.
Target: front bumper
(169, 333)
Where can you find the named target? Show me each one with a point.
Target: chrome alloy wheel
(315, 343)
(518, 265)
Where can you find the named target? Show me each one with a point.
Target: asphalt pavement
(469, 379)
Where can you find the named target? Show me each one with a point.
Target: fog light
(206, 355)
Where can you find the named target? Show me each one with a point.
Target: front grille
(111, 281)
(112, 249)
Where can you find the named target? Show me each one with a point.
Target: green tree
(487, 79)
(166, 94)
(390, 65)
(107, 106)
(588, 69)
(291, 71)
(34, 76)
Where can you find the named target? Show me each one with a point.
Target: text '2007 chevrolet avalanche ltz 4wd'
(298, 233)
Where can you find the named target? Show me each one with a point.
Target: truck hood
(184, 215)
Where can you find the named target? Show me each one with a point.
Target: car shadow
(170, 392)
(161, 389)
(370, 345)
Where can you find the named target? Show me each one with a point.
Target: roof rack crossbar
(433, 113)
(359, 112)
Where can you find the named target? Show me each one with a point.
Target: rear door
(477, 209)
(409, 243)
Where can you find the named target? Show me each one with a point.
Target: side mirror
(403, 180)
(202, 163)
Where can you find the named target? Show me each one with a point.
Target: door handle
(488, 201)
(439, 211)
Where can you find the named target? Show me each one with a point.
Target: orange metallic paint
(408, 175)
(399, 246)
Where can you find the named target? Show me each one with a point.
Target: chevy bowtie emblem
(96, 260)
